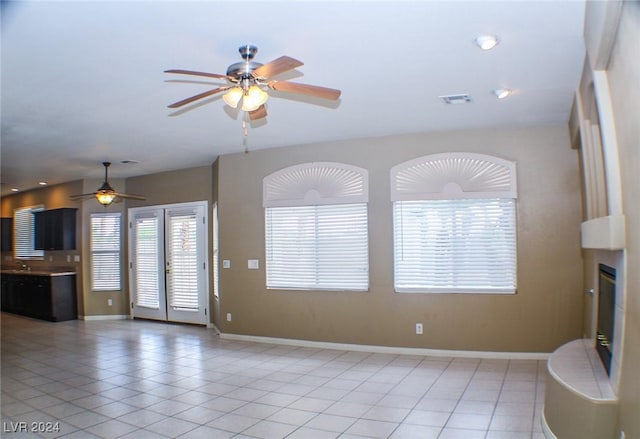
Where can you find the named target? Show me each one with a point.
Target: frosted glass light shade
(105, 198)
(232, 97)
(254, 98)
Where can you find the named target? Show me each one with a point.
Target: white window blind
(146, 257)
(459, 245)
(24, 233)
(105, 251)
(322, 247)
(182, 266)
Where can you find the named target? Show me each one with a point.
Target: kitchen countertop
(40, 272)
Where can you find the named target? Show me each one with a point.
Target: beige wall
(546, 312)
(624, 83)
(181, 186)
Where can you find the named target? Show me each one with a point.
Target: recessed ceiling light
(486, 42)
(42, 183)
(15, 189)
(502, 93)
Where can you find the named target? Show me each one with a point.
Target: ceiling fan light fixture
(105, 198)
(486, 42)
(232, 97)
(254, 98)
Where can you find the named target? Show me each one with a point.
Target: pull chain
(245, 132)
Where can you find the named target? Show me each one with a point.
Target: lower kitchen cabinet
(50, 298)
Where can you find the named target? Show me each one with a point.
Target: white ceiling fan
(247, 80)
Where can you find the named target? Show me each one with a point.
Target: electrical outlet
(418, 328)
(110, 302)
(228, 317)
(622, 435)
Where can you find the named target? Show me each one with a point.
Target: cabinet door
(56, 229)
(41, 225)
(19, 293)
(7, 234)
(63, 298)
(7, 292)
(40, 297)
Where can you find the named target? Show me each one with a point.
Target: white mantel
(605, 233)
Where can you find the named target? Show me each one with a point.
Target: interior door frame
(162, 211)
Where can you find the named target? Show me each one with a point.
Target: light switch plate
(226, 263)
(253, 264)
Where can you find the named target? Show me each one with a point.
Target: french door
(167, 262)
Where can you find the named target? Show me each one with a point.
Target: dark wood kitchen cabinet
(6, 240)
(55, 229)
(46, 297)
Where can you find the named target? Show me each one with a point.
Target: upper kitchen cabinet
(56, 229)
(6, 241)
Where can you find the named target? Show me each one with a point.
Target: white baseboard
(106, 317)
(389, 349)
(214, 327)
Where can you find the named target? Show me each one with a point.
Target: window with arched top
(316, 227)
(455, 224)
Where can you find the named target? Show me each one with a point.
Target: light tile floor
(140, 379)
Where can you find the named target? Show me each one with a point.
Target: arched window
(316, 228)
(454, 224)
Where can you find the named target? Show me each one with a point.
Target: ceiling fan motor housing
(242, 70)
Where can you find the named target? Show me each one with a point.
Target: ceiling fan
(105, 193)
(247, 79)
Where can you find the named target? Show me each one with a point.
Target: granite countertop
(40, 271)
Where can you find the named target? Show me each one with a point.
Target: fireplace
(606, 314)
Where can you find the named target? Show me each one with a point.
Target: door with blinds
(168, 254)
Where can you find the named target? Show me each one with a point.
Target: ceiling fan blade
(80, 196)
(198, 96)
(191, 72)
(130, 196)
(259, 113)
(305, 89)
(277, 66)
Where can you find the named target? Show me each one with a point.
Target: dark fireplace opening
(606, 314)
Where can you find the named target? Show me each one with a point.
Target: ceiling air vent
(456, 99)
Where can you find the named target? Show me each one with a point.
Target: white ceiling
(83, 82)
